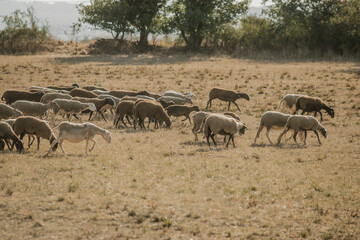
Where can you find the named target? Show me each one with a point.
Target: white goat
(77, 132)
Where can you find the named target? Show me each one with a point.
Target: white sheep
(145, 97)
(220, 124)
(272, 120)
(176, 100)
(7, 112)
(289, 101)
(303, 123)
(198, 117)
(48, 97)
(180, 95)
(35, 109)
(77, 132)
(100, 92)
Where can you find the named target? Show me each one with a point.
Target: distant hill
(61, 15)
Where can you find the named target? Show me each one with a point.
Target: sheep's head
(243, 95)
(168, 123)
(331, 112)
(19, 146)
(91, 107)
(242, 128)
(52, 138)
(196, 108)
(106, 136)
(323, 132)
(146, 93)
(75, 85)
(54, 106)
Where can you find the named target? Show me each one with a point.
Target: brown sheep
(91, 88)
(11, 96)
(311, 104)
(225, 95)
(32, 125)
(152, 110)
(78, 92)
(6, 133)
(125, 108)
(181, 110)
(7, 112)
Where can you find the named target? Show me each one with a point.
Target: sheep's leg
(294, 137)
(53, 144)
(38, 143)
(92, 145)
(229, 106)
(102, 115)
(149, 123)
(281, 134)
(321, 118)
(61, 147)
(86, 147)
(31, 140)
(208, 103)
(236, 106)
(232, 136)
(8, 145)
(91, 113)
(317, 136)
(268, 137)
(261, 127)
(122, 120)
(194, 130)
(208, 136)
(305, 137)
(212, 138)
(127, 117)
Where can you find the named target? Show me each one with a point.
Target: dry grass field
(159, 184)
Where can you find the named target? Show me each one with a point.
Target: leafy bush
(23, 33)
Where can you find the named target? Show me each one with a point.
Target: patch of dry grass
(160, 184)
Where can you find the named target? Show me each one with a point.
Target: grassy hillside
(159, 184)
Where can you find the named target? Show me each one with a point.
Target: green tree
(113, 16)
(197, 19)
(145, 17)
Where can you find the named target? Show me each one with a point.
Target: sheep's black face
(197, 108)
(244, 95)
(323, 132)
(242, 130)
(168, 123)
(331, 112)
(19, 146)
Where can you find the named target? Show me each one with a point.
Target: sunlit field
(160, 184)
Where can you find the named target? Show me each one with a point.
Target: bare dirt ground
(159, 184)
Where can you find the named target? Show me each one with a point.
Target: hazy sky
(255, 3)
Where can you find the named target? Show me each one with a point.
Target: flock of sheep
(29, 113)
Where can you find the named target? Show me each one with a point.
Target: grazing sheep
(198, 118)
(120, 93)
(311, 104)
(71, 107)
(289, 101)
(66, 88)
(303, 123)
(92, 88)
(181, 110)
(152, 110)
(35, 109)
(99, 104)
(77, 132)
(225, 95)
(219, 124)
(180, 95)
(7, 133)
(272, 120)
(124, 109)
(176, 100)
(48, 97)
(11, 96)
(7, 112)
(31, 138)
(78, 92)
(34, 126)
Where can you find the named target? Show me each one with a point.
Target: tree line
(288, 26)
